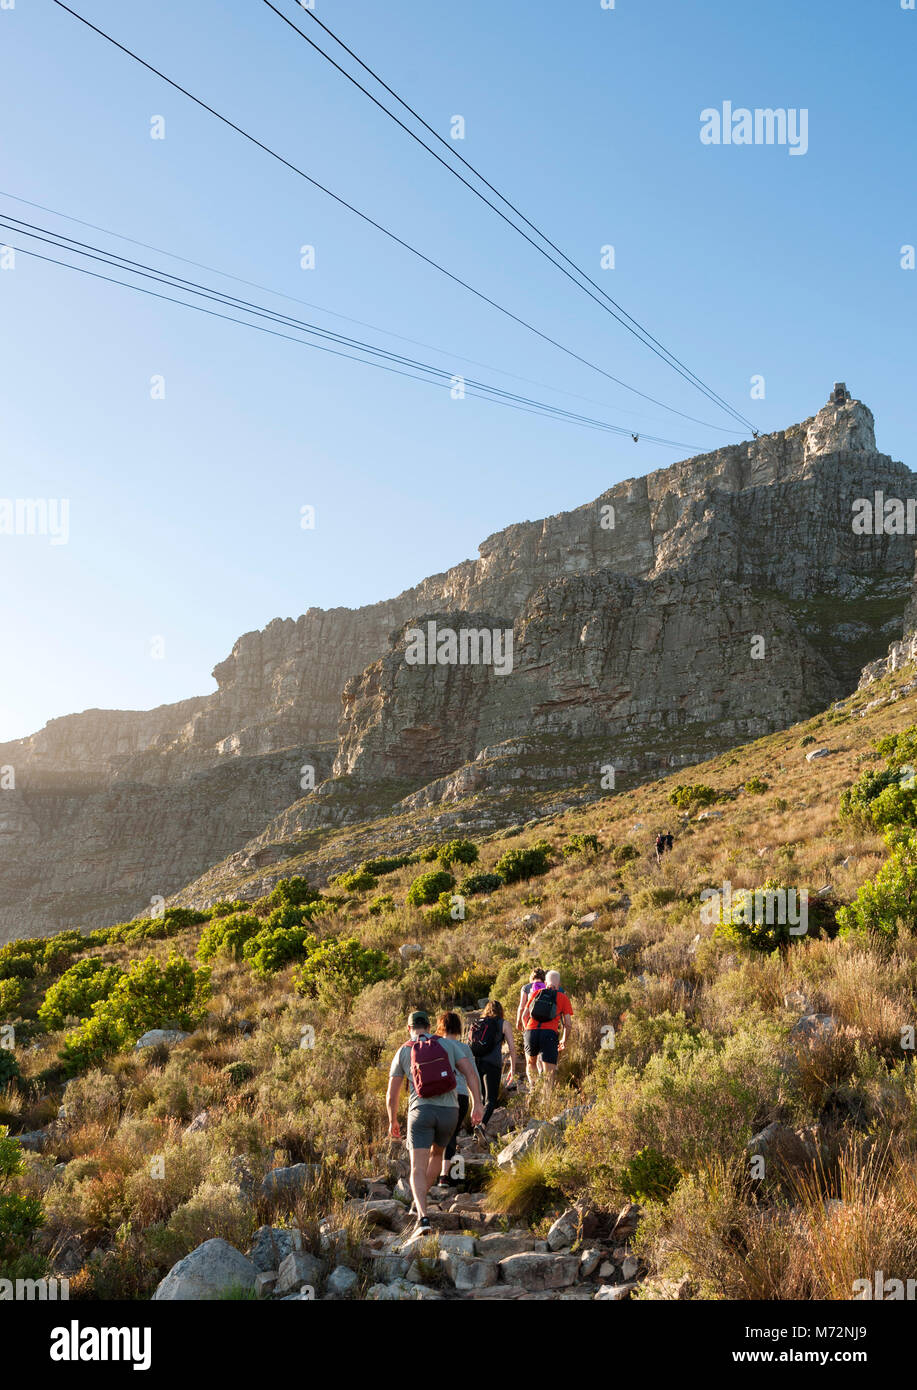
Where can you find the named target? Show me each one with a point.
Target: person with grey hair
(543, 1015)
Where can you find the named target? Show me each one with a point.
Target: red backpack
(431, 1069)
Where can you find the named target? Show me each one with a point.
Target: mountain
(676, 615)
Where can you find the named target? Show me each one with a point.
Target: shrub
(625, 853)
(480, 883)
(226, 909)
(425, 855)
(649, 1176)
(692, 796)
(753, 918)
(10, 998)
(275, 947)
(756, 786)
(386, 865)
(16, 966)
(226, 936)
(77, 990)
(445, 911)
(382, 903)
(426, 888)
(148, 996)
(20, 1217)
(517, 864)
(809, 738)
(296, 891)
(581, 844)
(887, 904)
(341, 968)
(9, 1067)
(354, 880)
(458, 852)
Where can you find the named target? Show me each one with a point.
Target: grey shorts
(431, 1124)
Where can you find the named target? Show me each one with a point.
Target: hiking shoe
(423, 1224)
(480, 1133)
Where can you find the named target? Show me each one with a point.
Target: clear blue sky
(185, 512)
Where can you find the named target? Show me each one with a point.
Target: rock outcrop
(698, 606)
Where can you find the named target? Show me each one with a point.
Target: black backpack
(544, 1006)
(483, 1035)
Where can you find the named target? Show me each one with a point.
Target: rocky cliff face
(705, 603)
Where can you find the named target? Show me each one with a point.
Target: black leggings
(490, 1074)
(449, 1150)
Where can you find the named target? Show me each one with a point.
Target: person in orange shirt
(544, 1012)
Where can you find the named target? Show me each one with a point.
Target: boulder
(271, 1245)
(384, 1212)
(34, 1140)
(470, 1273)
(536, 1133)
(209, 1271)
(499, 1244)
(818, 753)
(289, 1182)
(160, 1037)
(813, 1027)
(539, 1271)
(298, 1270)
(589, 1262)
(400, 1291)
(564, 1231)
(410, 950)
(615, 1292)
(265, 1283)
(342, 1282)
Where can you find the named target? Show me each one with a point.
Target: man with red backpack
(544, 1012)
(430, 1065)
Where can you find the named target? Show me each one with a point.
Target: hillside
(676, 615)
(640, 1177)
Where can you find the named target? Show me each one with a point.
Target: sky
(186, 447)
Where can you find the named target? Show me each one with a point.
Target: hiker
(450, 1026)
(487, 1036)
(660, 847)
(431, 1066)
(669, 841)
(546, 1009)
(537, 976)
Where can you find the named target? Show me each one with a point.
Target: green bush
(518, 864)
(148, 996)
(381, 904)
(581, 844)
(425, 855)
(77, 990)
(341, 968)
(9, 1067)
(458, 852)
(625, 853)
(443, 912)
(753, 919)
(887, 904)
(480, 883)
(649, 1176)
(692, 796)
(227, 909)
(10, 999)
(275, 947)
(426, 888)
(20, 1217)
(296, 891)
(387, 865)
(226, 936)
(16, 965)
(756, 786)
(354, 880)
